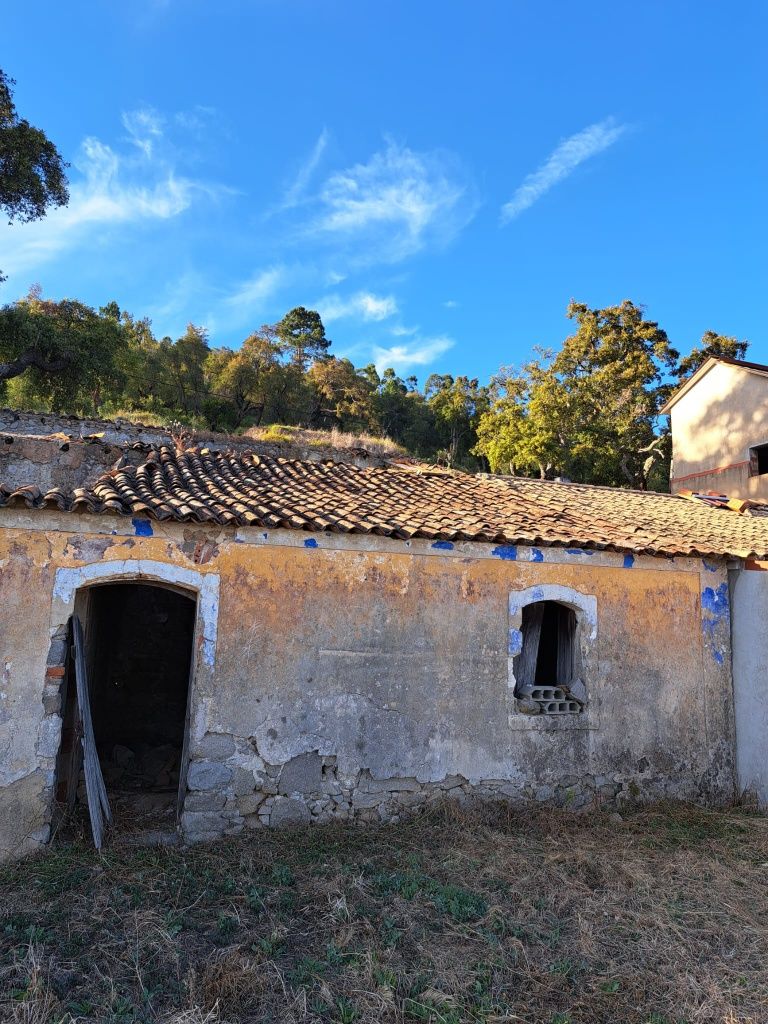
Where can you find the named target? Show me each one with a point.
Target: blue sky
(438, 178)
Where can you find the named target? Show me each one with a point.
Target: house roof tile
(405, 501)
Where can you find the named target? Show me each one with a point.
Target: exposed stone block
(578, 691)
(249, 803)
(363, 800)
(196, 822)
(215, 746)
(48, 736)
(452, 782)
(243, 781)
(57, 653)
(289, 812)
(266, 785)
(208, 775)
(204, 801)
(302, 774)
(51, 700)
(391, 786)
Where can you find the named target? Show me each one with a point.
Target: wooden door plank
(96, 792)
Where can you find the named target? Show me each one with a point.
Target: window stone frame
(584, 607)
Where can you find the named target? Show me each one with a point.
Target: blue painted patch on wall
(310, 542)
(515, 642)
(716, 605)
(507, 551)
(715, 601)
(142, 527)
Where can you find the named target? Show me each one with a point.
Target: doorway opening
(138, 643)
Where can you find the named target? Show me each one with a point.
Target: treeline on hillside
(588, 412)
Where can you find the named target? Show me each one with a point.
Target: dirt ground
(491, 916)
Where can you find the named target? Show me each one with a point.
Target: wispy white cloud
(108, 189)
(419, 352)
(362, 306)
(394, 205)
(144, 127)
(173, 310)
(258, 289)
(197, 119)
(451, 304)
(251, 302)
(562, 162)
(296, 191)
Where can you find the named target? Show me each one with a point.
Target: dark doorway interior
(139, 642)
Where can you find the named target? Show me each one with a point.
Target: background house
(719, 423)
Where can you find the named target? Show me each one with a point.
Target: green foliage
(282, 875)
(32, 171)
(60, 354)
(303, 334)
(712, 344)
(458, 404)
(451, 900)
(588, 412)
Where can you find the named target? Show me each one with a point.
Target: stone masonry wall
(235, 790)
(50, 436)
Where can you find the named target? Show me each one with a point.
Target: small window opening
(758, 460)
(546, 672)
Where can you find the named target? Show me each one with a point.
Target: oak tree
(32, 171)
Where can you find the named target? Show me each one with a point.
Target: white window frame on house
(584, 607)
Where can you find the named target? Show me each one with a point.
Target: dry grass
(496, 916)
(302, 437)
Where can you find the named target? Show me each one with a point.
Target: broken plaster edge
(49, 520)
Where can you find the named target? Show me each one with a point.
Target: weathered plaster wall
(357, 677)
(750, 677)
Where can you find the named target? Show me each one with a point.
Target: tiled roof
(403, 502)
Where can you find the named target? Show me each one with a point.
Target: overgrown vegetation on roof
(492, 916)
(303, 437)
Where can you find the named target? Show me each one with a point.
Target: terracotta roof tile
(406, 502)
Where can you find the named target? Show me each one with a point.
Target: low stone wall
(232, 788)
(55, 428)
(43, 424)
(27, 461)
